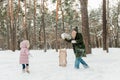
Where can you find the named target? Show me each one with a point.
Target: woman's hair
(76, 29)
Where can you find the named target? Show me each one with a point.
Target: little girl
(24, 55)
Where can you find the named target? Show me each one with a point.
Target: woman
(78, 48)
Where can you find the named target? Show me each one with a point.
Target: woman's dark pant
(24, 66)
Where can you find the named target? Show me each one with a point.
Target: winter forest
(42, 22)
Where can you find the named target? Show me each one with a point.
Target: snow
(45, 66)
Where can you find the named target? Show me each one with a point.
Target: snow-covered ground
(45, 66)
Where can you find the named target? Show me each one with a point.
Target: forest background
(43, 21)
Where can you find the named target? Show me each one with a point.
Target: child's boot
(27, 69)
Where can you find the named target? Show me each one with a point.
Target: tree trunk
(17, 26)
(12, 27)
(57, 8)
(43, 26)
(35, 23)
(62, 17)
(25, 34)
(104, 27)
(118, 26)
(85, 25)
(8, 26)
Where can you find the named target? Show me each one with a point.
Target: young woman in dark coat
(78, 48)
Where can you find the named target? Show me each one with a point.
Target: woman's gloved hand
(73, 41)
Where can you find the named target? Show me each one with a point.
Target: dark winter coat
(78, 47)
